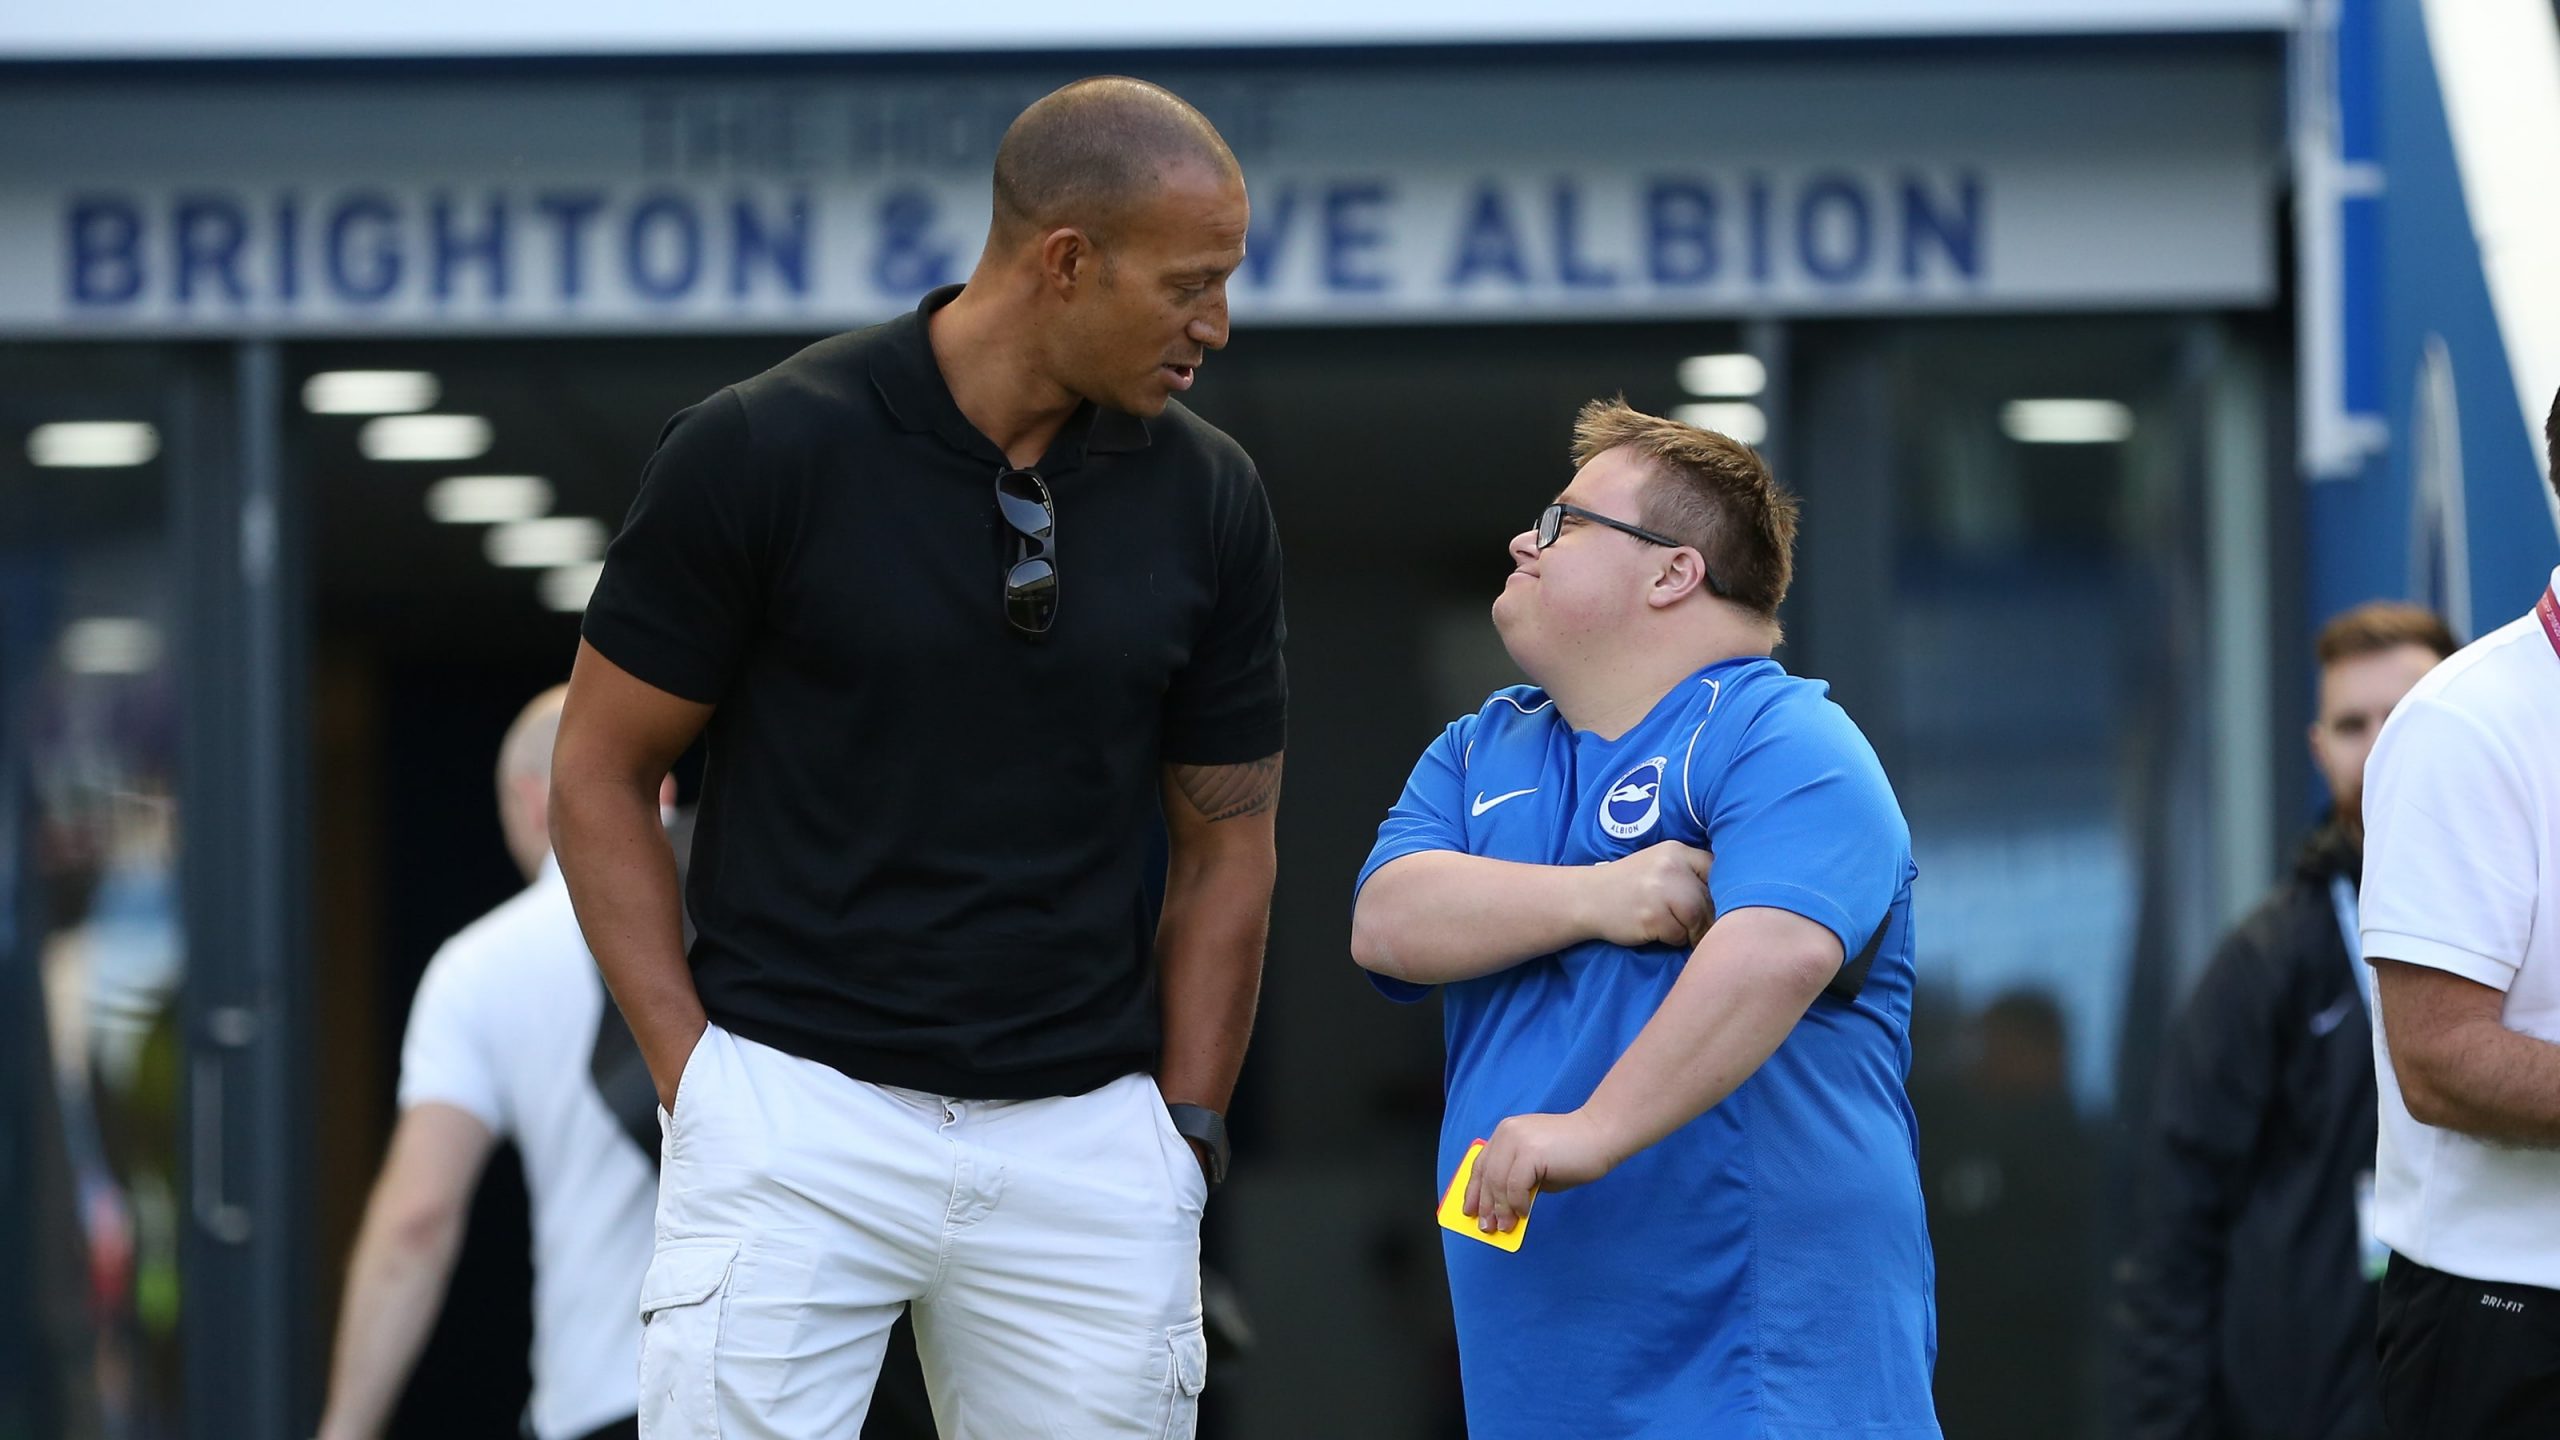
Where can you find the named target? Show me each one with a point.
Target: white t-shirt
(2462, 874)
(502, 1028)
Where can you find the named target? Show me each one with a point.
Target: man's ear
(1681, 573)
(1067, 259)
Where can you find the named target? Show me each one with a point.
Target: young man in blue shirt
(1707, 1087)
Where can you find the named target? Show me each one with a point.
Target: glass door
(93, 959)
(151, 958)
(2036, 566)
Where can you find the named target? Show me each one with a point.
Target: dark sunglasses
(1551, 524)
(1031, 578)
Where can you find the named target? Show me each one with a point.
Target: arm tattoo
(1225, 792)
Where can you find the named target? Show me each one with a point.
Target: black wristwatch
(1199, 1122)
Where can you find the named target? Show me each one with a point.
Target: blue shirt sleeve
(1803, 820)
(1425, 817)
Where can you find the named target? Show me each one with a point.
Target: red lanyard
(2547, 610)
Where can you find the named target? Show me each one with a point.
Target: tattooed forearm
(1225, 792)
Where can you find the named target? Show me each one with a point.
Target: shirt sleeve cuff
(2482, 969)
(1236, 745)
(475, 1106)
(1391, 851)
(1813, 905)
(630, 649)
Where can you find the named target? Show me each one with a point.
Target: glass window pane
(2021, 629)
(91, 943)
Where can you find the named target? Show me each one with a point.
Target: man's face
(2356, 696)
(1155, 300)
(1561, 601)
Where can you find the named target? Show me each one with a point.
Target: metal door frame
(242, 563)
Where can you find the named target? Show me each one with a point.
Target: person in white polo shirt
(2461, 923)
(498, 1047)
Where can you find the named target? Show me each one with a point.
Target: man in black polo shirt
(961, 601)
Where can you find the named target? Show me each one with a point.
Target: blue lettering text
(452, 249)
(1576, 272)
(1488, 244)
(288, 246)
(1267, 239)
(1958, 235)
(1756, 239)
(1352, 233)
(1680, 232)
(783, 246)
(381, 272)
(210, 231)
(910, 262)
(569, 211)
(105, 232)
(1852, 240)
(662, 247)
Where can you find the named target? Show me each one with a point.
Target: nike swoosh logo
(2333, 1017)
(1482, 804)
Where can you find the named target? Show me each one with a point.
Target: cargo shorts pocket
(680, 1303)
(1187, 1374)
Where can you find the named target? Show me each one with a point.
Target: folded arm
(1440, 916)
(2459, 1066)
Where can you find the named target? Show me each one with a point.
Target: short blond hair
(2379, 625)
(1706, 490)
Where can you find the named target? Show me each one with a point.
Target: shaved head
(1119, 218)
(524, 779)
(1087, 154)
(526, 751)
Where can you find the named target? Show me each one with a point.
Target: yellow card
(1452, 1217)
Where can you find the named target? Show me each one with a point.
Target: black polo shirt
(920, 850)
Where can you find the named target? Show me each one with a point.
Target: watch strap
(1199, 1122)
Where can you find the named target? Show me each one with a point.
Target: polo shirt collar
(910, 383)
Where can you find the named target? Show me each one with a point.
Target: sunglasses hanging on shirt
(1031, 578)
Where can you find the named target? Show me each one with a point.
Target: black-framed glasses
(1031, 577)
(1551, 524)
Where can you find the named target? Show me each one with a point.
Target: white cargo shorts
(1049, 1249)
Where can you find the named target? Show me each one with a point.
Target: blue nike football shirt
(1764, 1272)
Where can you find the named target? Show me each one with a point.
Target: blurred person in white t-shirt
(2461, 922)
(498, 1048)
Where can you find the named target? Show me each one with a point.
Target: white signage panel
(189, 29)
(1451, 194)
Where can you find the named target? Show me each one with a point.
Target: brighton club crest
(1634, 804)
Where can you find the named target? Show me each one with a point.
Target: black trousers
(619, 1430)
(2468, 1359)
